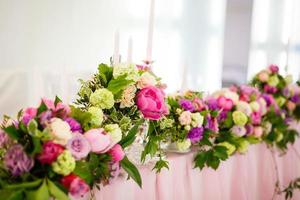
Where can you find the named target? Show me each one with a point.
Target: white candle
(116, 57)
(129, 53)
(184, 78)
(150, 31)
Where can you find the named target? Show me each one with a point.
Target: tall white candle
(116, 57)
(150, 31)
(129, 53)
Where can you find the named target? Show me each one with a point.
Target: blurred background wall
(46, 46)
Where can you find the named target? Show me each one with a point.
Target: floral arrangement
(126, 96)
(64, 151)
(47, 152)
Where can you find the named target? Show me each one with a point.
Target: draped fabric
(251, 176)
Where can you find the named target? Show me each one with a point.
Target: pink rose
(185, 118)
(255, 118)
(29, 114)
(150, 101)
(225, 103)
(263, 76)
(117, 153)
(99, 141)
(274, 68)
(291, 105)
(50, 152)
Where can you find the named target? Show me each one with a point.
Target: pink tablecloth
(251, 176)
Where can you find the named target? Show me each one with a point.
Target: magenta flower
(270, 89)
(17, 161)
(75, 125)
(4, 139)
(50, 152)
(79, 146)
(117, 153)
(196, 134)
(225, 103)
(256, 118)
(187, 105)
(151, 102)
(78, 188)
(212, 124)
(59, 110)
(212, 104)
(29, 114)
(274, 69)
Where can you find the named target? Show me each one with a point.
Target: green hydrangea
(280, 101)
(183, 145)
(239, 118)
(125, 68)
(114, 131)
(64, 164)
(230, 148)
(102, 98)
(166, 123)
(97, 116)
(273, 81)
(197, 119)
(243, 146)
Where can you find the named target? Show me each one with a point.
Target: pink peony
(258, 131)
(225, 103)
(50, 152)
(29, 114)
(255, 118)
(117, 153)
(263, 76)
(274, 69)
(99, 141)
(150, 101)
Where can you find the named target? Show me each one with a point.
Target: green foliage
(118, 84)
(131, 170)
(56, 192)
(289, 190)
(160, 164)
(12, 132)
(41, 193)
(105, 72)
(82, 117)
(130, 137)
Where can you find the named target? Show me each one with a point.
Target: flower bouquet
(126, 96)
(283, 98)
(50, 151)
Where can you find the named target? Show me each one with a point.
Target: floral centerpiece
(47, 151)
(283, 97)
(124, 97)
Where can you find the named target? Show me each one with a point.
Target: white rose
(197, 119)
(60, 131)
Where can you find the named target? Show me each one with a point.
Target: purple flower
(295, 99)
(45, 117)
(79, 146)
(249, 129)
(17, 161)
(239, 130)
(196, 134)
(187, 105)
(270, 89)
(212, 104)
(212, 124)
(29, 114)
(269, 99)
(75, 125)
(222, 116)
(4, 139)
(286, 92)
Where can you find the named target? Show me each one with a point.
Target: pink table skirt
(251, 176)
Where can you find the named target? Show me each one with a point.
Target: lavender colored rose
(196, 134)
(75, 125)
(79, 146)
(187, 105)
(17, 161)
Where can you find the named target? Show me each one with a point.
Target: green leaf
(56, 192)
(105, 72)
(37, 146)
(131, 170)
(82, 170)
(12, 132)
(130, 137)
(150, 148)
(32, 127)
(116, 85)
(9, 194)
(26, 185)
(81, 116)
(159, 165)
(220, 152)
(41, 193)
(57, 100)
(212, 161)
(200, 160)
(41, 108)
